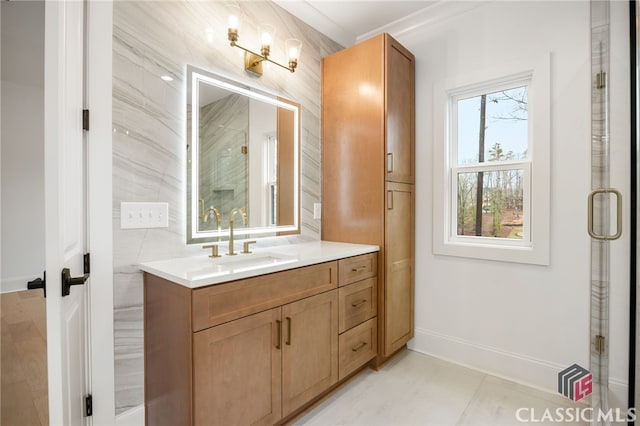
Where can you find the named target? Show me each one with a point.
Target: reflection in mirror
(243, 153)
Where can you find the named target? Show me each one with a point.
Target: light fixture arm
(256, 58)
(253, 60)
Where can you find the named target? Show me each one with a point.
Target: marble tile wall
(152, 39)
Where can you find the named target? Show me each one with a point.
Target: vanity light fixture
(252, 60)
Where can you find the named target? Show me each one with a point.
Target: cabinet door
(310, 349)
(237, 371)
(400, 113)
(353, 144)
(398, 286)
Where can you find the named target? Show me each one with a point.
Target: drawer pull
(356, 304)
(359, 268)
(279, 338)
(288, 341)
(360, 346)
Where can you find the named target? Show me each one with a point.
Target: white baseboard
(13, 284)
(132, 417)
(536, 373)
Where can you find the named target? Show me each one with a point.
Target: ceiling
(345, 21)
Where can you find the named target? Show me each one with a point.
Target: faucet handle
(214, 250)
(245, 246)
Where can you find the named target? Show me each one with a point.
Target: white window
(491, 160)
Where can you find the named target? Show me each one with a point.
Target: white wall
(22, 138)
(521, 321)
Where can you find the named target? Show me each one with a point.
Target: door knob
(39, 283)
(68, 281)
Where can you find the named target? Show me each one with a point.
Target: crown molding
(316, 19)
(436, 13)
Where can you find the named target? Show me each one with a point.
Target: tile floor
(416, 389)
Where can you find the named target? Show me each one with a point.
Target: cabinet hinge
(87, 263)
(599, 344)
(85, 119)
(88, 406)
(601, 80)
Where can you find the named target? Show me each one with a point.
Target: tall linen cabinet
(368, 170)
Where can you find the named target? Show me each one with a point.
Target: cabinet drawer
(217, 304)
(357, 268)
(358, 303)
(357, 346)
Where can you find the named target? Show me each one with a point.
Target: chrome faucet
(232, 215)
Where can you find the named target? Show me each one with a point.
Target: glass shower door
(604, 207)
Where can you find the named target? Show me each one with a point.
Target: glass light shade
(267, 34)
(293, 47)
(234, 17)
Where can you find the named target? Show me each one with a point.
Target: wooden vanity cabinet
(368, 170)
(252, 351)
(258, 369)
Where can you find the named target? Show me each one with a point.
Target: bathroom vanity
(255, 338)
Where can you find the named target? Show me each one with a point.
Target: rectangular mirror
(243, 152)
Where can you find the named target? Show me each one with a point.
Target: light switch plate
(144, 215)
(317, 210)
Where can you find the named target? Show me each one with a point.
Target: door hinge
(88, 406)
(85, 119)
(601, 80)
(87, 263)
(599, 344)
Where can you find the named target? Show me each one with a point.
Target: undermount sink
(206, 267)
(252, 260)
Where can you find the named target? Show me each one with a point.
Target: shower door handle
(592, 233)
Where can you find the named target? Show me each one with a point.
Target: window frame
(487, 166)
(533, 248)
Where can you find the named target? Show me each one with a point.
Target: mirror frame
(195, 76)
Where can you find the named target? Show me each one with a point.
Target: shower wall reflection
(224, 158)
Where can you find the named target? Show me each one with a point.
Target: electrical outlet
(317, 210)
(144, 215)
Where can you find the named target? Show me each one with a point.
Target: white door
(65, 207)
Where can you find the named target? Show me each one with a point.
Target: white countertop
(201, 270)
